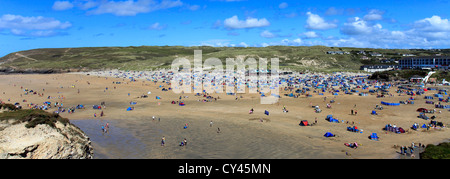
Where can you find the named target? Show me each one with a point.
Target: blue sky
(28, 24)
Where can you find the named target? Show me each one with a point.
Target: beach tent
(374, 113)
(328, 134)
(129, 109)
(438, 95)
(182, 104)
(353, 129)
(331, 119)
(422, 110)
(390, 104)
(424, 126)
(157, 97)
(266, 112)
(374, 136)
(133, 103)
(96, 107)
(304, 123)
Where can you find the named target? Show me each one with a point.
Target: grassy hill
(312, 58)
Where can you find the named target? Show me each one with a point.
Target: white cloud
(267, 34)
(334, 11)
(433, 24)
(193, 7)
(283, 5)
(373, 15)
(132, 8)
(62, 5)
(431, 32)
(32, 26)
(359, 26)
(235, 23)
(157, 26)
(216, 43)
(431, 29)
(284, 42)
(86, 4)
(9, 21)
(427, 32)
(310, 34)
(316, 22)
(243, 44)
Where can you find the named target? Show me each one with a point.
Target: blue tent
(129, 109)
(331, 119)
(328, 134)
(266, 112)
(424, 126)
(374, 136)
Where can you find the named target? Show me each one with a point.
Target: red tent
(304, 123)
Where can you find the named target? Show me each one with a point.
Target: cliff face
(63, 141)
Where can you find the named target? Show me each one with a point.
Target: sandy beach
(136, 134)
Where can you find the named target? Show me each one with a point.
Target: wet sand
(134, 134)
(141, 138)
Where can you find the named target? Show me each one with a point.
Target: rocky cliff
(41, 140)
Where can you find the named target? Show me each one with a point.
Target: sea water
(141, 139)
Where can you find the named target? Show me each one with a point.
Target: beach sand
(134, 134)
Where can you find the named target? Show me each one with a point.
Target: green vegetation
(32, 117)
(406, 74)
(314, 58)
(441, 151)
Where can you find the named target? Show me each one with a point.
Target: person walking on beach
(210, 124)
(107, 127)
(352, 111)
(163, 140)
